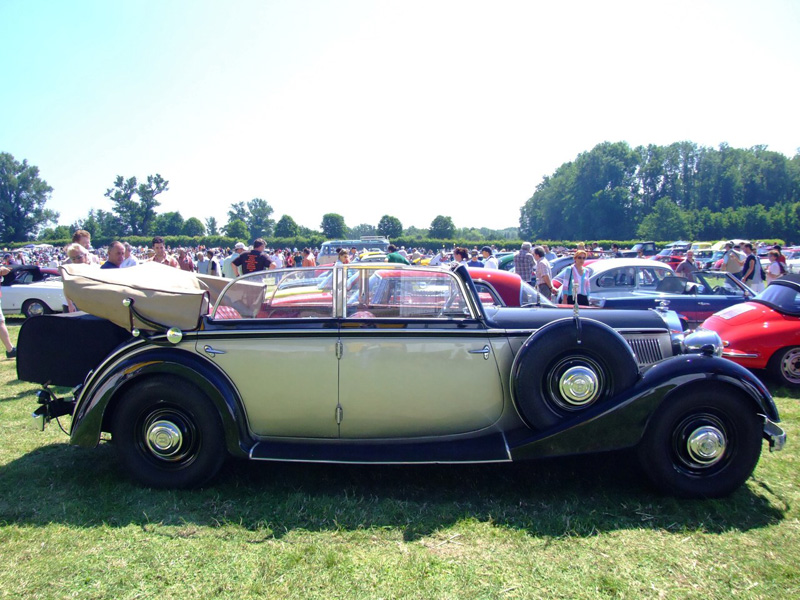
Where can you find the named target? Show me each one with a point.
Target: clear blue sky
(411, 108)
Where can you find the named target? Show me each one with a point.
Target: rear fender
(96, 401)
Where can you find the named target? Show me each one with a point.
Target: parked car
(403, 365)
(620, 276)
(695, 301)
(32, 291)
(764, 333)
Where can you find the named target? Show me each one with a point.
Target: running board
(488, 448)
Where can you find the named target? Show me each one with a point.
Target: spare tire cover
(563, 369)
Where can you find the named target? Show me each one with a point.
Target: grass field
(73, 526)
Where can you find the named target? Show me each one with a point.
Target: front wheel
(168, 434)
(785, 366)
(701, 445)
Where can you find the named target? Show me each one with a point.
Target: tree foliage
(236, 229)
(135, 203)
(442, 228)
(333, 226)
(194, 227)
(23, 195)
(359, 231)
(616, 192)
(255, 214)
(286, 227)
(211, 226)
(168, 223)
(390, 227)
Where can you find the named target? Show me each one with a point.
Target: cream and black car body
(384, 364)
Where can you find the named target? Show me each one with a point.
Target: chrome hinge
(339, 415)
(339, 349)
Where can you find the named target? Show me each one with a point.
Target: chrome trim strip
(370, 462)
(738, 355)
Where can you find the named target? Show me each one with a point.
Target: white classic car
(32, 291)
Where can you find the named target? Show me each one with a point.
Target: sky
(411, 108)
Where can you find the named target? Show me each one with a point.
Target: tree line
(680, 191)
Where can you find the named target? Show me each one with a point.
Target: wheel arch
(96, 405)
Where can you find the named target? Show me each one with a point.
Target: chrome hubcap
(706, 445)
(790, 365)
(35, 309)
(579, 386)
(164, 438)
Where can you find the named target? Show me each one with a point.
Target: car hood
(737, 315)
(534, 318)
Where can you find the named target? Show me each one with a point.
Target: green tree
(193, 227)
(22, 198)
(333, 226)
(237, 229)
(259, 221)
(238, 212)
(362, 230)
(61, 232)
(136, 214)
(390, 227)
(442, 228)
(286, 227)
(168, 223)
(211, 226)
(666, 222)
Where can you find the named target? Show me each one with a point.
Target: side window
(293, 294)
(488, 295)
(622, 278)
(405, 293)
(648, 277)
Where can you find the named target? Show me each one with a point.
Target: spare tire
(568, 366)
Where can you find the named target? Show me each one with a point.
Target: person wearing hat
(489, 260)
(227, 266)
(473, 259)
(524, 263)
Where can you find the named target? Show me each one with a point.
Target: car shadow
(577, 496)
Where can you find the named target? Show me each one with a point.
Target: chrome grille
(648, 349)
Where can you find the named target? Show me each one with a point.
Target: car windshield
(719, 283)
(784, 298)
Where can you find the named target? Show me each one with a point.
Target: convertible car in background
(695, 301)
(402, 365)
(764, 333)
(33, 291)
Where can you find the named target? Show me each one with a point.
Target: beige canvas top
(166, 295)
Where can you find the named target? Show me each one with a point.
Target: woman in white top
(774, 270)
(577, 275)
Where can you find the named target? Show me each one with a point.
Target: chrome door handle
(484, 351)
(212, 351)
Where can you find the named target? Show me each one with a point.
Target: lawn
(73, 526)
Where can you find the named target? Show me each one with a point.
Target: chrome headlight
(703, 341)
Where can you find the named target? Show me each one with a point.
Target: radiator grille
(646, 349)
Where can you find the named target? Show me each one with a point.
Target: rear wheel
(35, 308)
(168, 434)
(785, 366)
(701, 445)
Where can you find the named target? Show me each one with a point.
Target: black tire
(704, 444)
(784, 366)
(553, 354)
(168, 434)
(34, 308)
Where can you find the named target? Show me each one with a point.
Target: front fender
(96, 400)
(621, 422)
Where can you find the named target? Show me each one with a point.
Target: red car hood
(737, 315)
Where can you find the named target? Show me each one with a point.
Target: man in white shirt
(130, 260)
(227, 267)
(489, 259)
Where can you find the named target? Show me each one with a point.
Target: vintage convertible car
(764, 333)
(695, 301)
(401, 365)
(32, 291)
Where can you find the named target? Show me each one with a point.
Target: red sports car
(764, 333)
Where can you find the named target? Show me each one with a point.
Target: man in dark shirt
(253, 260)
(116, 254)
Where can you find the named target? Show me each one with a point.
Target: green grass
(73, 526)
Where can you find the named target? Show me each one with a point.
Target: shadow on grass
(557, 497)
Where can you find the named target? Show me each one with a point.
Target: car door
(279, 350)
(414, 361)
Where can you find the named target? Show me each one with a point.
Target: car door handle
(485, 351)
(212, 351)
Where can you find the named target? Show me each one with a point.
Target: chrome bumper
(774, 435)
